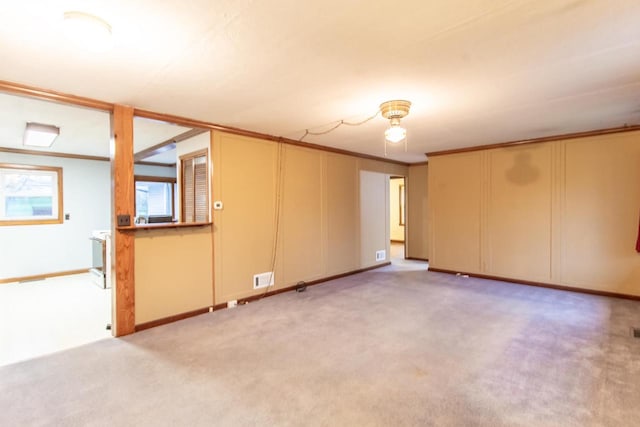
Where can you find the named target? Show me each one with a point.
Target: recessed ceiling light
(88, 31)
(39, 135)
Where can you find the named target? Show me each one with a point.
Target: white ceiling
(82, 130)
(477, 72)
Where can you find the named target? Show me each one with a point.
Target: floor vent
(635, 332)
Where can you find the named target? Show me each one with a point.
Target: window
(30, 195)
(155, 196)
(194, 187)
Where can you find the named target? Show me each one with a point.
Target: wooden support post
(122, 188)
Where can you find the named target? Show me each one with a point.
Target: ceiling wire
(340, 123)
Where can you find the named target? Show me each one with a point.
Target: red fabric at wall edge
(638, 241)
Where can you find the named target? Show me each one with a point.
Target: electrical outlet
(263, 280)
(124, 220)
(381, 255)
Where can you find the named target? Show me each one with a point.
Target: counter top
(163, 225)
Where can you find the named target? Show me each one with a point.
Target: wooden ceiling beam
(167, 145)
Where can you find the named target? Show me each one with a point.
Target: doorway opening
(397, 217)
(55, 204)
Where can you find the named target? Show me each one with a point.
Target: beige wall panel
(454, 211)
(374, 217)
(519, 213)
(342, 214)
(301, 225)
(417, 230)
(245, 181)
(172, 272)
(600, 216)
(320, 222)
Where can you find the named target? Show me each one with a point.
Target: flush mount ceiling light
(87, 31)
(394, 111)
(39, 135)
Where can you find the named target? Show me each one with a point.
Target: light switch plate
(217, 205)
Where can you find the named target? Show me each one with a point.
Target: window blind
(195, 189)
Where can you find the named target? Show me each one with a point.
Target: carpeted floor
(394, 346)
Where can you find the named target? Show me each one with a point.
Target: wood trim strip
(171, 319)
(123, 193)
(75, 156)
(44, 276)
(211, 214)
(155, 150)
(182, 316)
(311, 283)
(50, 95)
(163, 165)
(66, 98)
(417, 259)
(149, 178)
(419, 163)
(536, 140)
(543, 285)
(182, 121)
(339, 151)
(52, 154)
(167, 145)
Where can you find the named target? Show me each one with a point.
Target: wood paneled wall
(561, 212)
(320, 228)
(173, 272)
(417, 217)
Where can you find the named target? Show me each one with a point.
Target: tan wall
(562, 212)
(600, 213)
(323, 216)
(417, 231)
(454, 212)
(397, 230)
(320, 232)
(518, 202)
(245, 178)
(374, 217)
(343, 214)
(172, 272)
(303, 226)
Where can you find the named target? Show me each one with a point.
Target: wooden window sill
(163, 226)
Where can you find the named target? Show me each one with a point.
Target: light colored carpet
(45, 316)
(394, 346)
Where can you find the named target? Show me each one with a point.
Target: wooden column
(122, 188)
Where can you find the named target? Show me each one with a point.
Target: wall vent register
(263, 280)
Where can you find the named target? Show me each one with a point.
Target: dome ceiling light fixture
(395, 111)
(88, 31)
